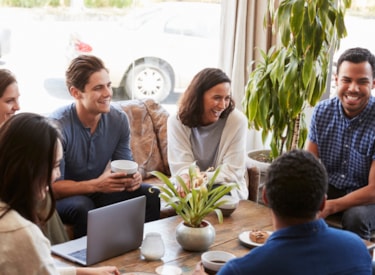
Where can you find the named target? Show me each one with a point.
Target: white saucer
(244, 238)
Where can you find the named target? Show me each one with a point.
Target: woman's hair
(80, 70)
(28, 144)
(6, 78)
(191, 106)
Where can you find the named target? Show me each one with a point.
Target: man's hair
(357, 55)
(191, 106)
(296, 184)
(6, 78)
(80, 70)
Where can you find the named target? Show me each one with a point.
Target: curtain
(242, 35)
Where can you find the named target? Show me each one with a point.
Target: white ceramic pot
(195, 239)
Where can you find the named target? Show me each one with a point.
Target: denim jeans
(358, 219)
(73, 210)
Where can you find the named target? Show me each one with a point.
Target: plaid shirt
(346, 146)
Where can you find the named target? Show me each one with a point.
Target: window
(152, 49)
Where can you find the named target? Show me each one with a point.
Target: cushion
(148, 126)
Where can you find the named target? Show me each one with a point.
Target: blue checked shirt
(346, 146)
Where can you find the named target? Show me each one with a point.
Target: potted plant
(200, 199)
(293, 74)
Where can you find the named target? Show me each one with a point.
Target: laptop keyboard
(79, 254)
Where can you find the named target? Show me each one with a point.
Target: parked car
(156, 50)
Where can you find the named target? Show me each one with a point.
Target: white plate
(244, 238)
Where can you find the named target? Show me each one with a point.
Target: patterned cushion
(148, 126)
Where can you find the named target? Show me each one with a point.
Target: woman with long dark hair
(30, 153)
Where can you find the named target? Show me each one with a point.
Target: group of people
(334, 175)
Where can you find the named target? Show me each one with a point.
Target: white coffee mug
(125, 166)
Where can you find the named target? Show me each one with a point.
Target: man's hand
(110, 182)
(329, 209)
(134, 183)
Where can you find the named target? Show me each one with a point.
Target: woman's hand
(180, 190)
(199, 269)
(103, 270)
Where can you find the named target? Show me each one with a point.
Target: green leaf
(318, 40)
(181, 182)
(219, 215)
(216, 173)
(283, 15)
(307, 69)
(340, 25)
(297, 16)
(307, 30)
(311, 7)
(192, 171)
(347, 3)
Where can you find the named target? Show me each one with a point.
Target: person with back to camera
(9, 104)
(28, 166)
(209, 130)
(342, 135)
(94, 133)
(302, 243)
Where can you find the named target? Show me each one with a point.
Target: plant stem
(296, 132)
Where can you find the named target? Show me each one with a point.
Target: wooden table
(249, 215)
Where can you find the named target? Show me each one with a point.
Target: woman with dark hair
(209, 130)
(31, 151)
(9, 95)
(53, 229)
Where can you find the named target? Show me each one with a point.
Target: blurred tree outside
(73, 4)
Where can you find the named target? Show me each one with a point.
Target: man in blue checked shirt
(342, 135)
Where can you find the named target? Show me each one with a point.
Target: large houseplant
(200, 199)
(292, 75)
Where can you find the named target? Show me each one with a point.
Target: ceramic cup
(213, 260)
(229, 206)
(125, 166)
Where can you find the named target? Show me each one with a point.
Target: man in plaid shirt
(342, 135)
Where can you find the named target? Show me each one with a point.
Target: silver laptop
(111, 231)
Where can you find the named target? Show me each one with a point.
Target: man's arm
(67, 188)
(312, 148)
(361, 196)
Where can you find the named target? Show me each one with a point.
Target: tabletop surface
(248, 216)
